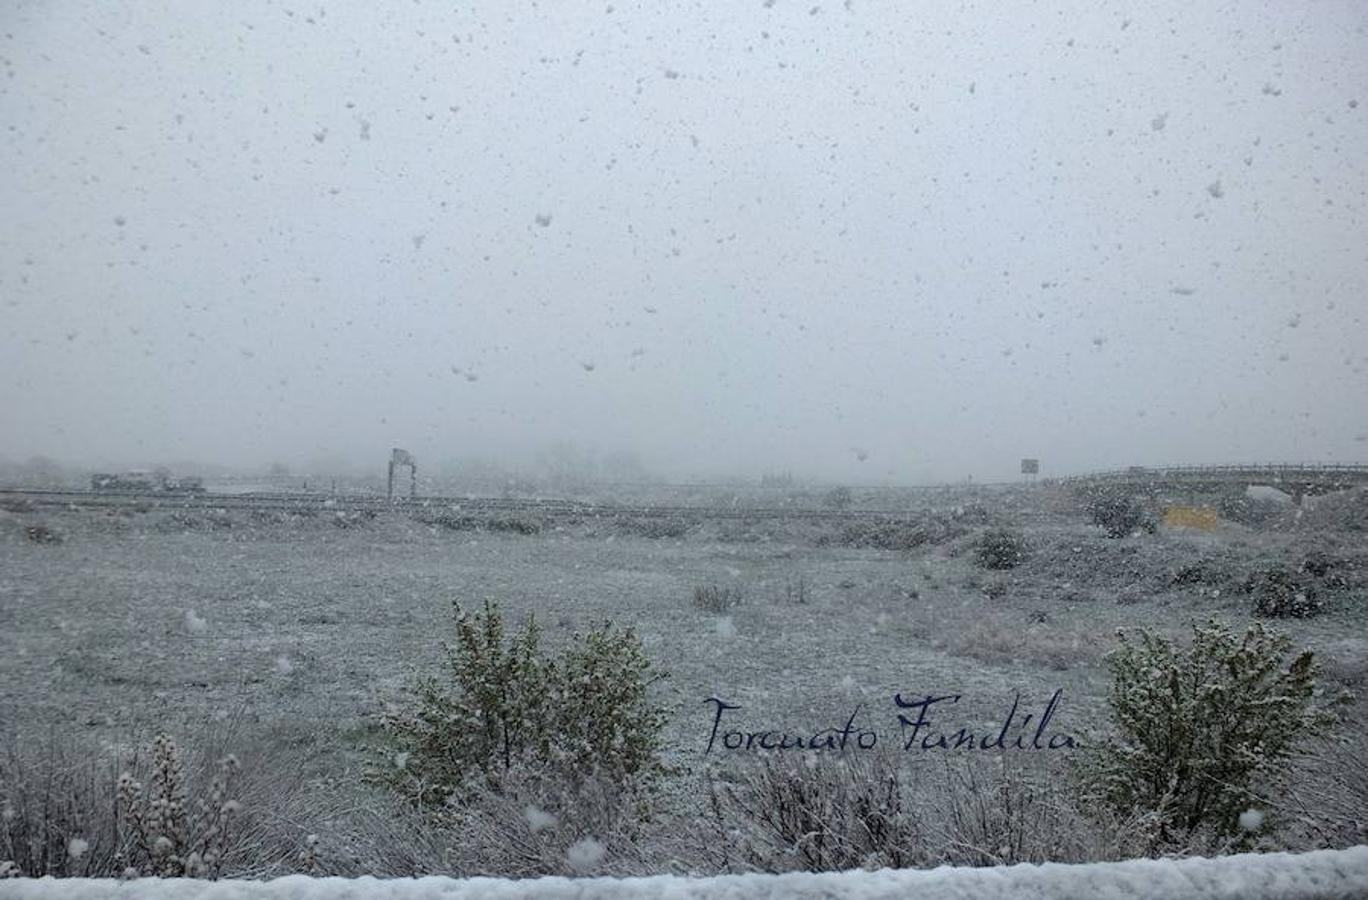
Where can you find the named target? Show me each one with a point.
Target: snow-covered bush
(1325, 802)
(820, 815)
(67, 810)
(1279, 593)
(872, 810)
(1200, 573)
(1119, 515)
(536, 822)
(1000, 548)
(170, 837)
(1197, 731)
(500, 524)
(907, 532)
(884, 534)
(1001, 814)
(502, 704)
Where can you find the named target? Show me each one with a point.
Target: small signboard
(1030, 467)
(1200, 517)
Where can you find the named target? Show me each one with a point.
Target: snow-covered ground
(162, 620)
(294, 633)
(1274, 876)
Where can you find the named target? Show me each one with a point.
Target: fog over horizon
(867, 242)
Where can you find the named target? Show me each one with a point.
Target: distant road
(436, 505)
(1296, 479)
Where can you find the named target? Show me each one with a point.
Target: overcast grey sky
(741, 236)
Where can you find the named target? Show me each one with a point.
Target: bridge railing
(1284, 471)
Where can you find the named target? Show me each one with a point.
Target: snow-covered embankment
(1272, 876)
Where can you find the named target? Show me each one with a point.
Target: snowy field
(162, 620)
(1321, 875)
(298, 632)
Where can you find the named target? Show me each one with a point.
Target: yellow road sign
(1203, 517)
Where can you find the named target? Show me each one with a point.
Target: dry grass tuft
(712, 598)
(68, 809)
(874, 810)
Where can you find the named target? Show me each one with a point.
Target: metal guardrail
(1285, 471)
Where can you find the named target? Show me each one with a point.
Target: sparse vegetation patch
(1279, 593)
(898, 534)
(496, 524)
(717, 599)
(1120, 515)
(1001, 548)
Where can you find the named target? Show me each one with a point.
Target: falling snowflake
(537, 819)
(584, 854)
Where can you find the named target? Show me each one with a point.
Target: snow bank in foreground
(1274, 876)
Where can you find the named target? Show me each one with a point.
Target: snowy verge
(1322, 875)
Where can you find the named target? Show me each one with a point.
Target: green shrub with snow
(1001, 548)
(502, 704)
(1119, 515)
(1199, 730)
(1280, 593)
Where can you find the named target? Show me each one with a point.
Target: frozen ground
(304, 628)
(1322, 875)
(135, 619)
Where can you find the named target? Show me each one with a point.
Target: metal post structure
(403, 458)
